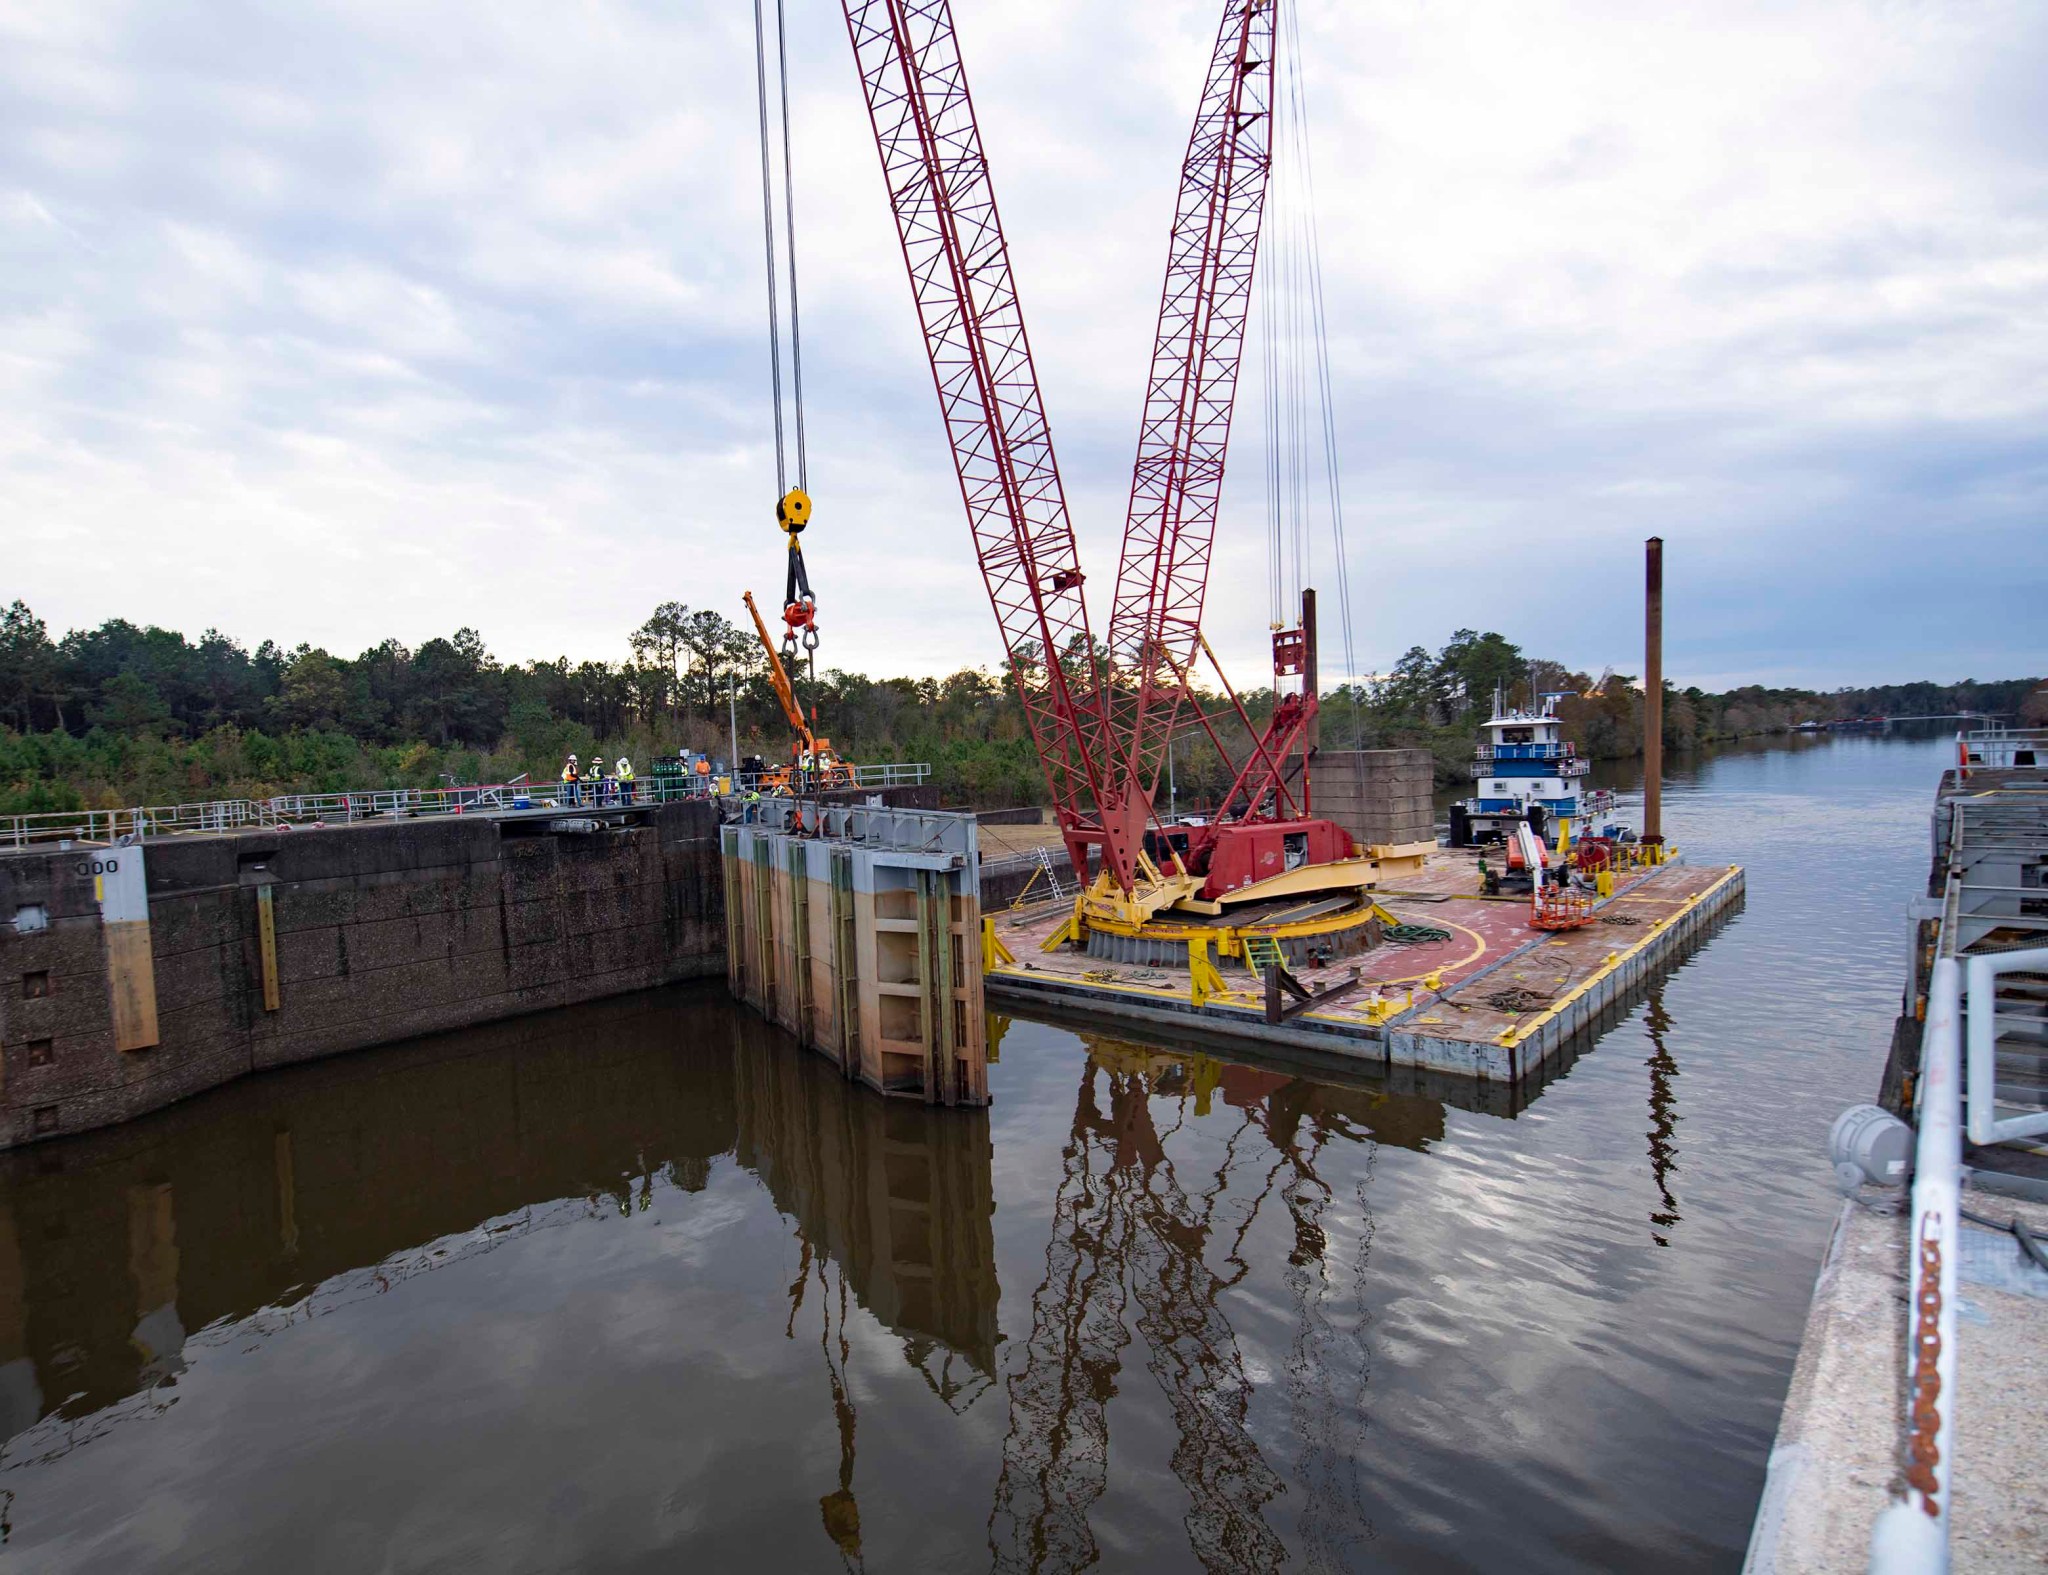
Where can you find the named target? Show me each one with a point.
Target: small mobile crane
(812, 763)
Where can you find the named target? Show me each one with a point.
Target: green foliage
(123, 715)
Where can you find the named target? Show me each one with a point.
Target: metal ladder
(1262, 952)
(1052, 879)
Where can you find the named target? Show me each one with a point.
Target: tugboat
(1524, 774)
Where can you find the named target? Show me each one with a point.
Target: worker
(625, 770)
(570, 792)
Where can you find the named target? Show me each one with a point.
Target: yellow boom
(779, 677)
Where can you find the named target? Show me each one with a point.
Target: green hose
(1414, 934)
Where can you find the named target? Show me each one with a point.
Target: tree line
(123, 714)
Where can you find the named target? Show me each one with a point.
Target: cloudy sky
(330, 321)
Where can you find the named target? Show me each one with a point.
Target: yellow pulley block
(793, 513)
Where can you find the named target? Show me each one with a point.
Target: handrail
(152, 820)
(1981, 1086)
(1912, 1534)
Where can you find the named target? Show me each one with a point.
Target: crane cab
(1251, 854)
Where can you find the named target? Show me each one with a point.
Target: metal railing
(1912, 1533)
(952, 834)
(901, 774)
(2030, 1032)
(1991, 847)
(2003, 748)
(1486, 765)
(146, 820)
(306, 809)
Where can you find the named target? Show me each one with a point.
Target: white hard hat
(622, 760)
(572, 754)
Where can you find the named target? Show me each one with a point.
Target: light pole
(732, 715)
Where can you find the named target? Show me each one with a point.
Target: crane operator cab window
(1297, 849)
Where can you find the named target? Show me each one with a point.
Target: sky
(328, 322)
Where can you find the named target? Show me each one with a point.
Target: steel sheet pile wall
(860, 932)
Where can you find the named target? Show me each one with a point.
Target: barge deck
(1495, 1000)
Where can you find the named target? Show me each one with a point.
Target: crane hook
(799, 606)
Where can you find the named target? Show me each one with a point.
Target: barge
(1911, 1437)
(1458, 981)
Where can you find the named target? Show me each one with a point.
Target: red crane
(1177, 481)
(1102, 729)
(988, 389)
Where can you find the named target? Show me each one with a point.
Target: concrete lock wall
(1383, 797)
(869, 953)
(269, 947)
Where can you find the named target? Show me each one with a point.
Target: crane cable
(793, 508)
(1296, 362)
(796, 338)
(1333, 470)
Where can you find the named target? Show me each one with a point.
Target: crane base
(1309, 931)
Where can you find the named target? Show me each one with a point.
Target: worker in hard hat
(571, 793)
(597, 784)
(625, 775)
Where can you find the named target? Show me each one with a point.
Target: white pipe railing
(1912, 1535)
(1982, 1087)
(153, 820)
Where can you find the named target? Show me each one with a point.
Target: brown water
(641, 1285)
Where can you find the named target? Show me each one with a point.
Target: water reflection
(1128, 1229)
(274, 1201)
(1191, 1192)
(1663, 1113)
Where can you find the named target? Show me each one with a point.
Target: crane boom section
(779, 677)
(966, 298)
(1177, 481)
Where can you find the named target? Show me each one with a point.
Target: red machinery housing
(1238, 854)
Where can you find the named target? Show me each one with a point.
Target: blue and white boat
(1524, 771)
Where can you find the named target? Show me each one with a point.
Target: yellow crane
(812, 763)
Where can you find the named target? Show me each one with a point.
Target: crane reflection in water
(1137, 1253)
(1202, 1282)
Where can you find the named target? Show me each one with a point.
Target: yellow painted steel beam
(266, 937)
(993, 951)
